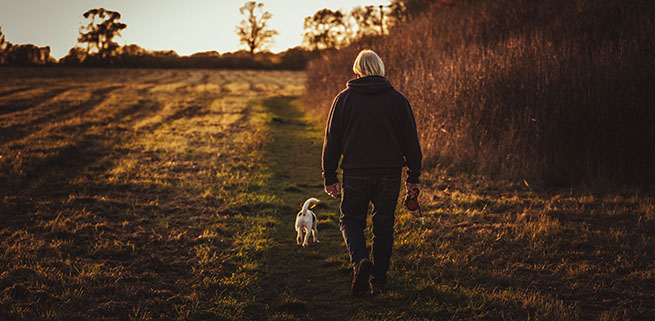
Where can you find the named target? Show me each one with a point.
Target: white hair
(368, 63)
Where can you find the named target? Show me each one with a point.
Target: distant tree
(3, 46)
(295, 58)
(75, 56)
(253, 30)
(325, 29)
(98, 34)
(3, 42)
(369, 20)
(28, 54)
(132, 50)
(403, 10)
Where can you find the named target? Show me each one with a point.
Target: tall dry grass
(556, 92)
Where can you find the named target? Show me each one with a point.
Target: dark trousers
(357, 192)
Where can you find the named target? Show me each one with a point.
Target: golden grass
(177, 204)
(558, 93)
(117, 187)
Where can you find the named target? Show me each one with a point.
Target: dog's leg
(306, 243)
(299, 237)
(315, 228)
(315, 234)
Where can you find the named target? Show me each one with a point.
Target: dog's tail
(308, 203)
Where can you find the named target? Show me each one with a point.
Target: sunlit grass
(130, 193)
(168, 211)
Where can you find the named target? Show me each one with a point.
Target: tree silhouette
(325, 29)
(252, 31)
(3, 46)
(98, 34)
(75, 56)
(404, 10)
(2, 40)
(369, 20)
(22, 55)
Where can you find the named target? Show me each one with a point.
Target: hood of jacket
(369, 84)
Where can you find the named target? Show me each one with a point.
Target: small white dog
(306, 222)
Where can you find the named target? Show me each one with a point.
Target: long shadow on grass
(4, 93)
(49, 176)
(129, 247)
(288, 282)
(56, 111)
(23, 104)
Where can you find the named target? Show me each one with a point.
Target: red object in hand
(333, 190)
(411, 203)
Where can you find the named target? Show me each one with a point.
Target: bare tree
(325, 29)
(368, 19)
(98, 34)
(2, 40)
(253, 30)
(3, 46)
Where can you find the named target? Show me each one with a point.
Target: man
(372, 125)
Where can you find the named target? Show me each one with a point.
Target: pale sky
(186, 26)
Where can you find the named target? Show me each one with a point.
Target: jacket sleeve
(411, 147)
(332, 142)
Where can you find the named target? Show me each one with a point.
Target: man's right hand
(412, 189)
(333, 190)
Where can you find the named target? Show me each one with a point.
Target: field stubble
(117, 186)
(170, 194)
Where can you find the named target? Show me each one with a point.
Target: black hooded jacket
(372, 125)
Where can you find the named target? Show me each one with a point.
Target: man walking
(372, 125)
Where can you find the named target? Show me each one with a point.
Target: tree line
(27, 54)
(325, 30)
(329, 29)
(332, 29)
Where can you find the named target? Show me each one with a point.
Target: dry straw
(558, 92)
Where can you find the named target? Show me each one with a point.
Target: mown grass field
(171, 194)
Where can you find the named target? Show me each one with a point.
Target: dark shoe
(377, 288)
(361, 274)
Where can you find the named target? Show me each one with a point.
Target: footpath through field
(302, 283)
(172, 194)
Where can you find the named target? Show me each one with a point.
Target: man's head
(368, 63)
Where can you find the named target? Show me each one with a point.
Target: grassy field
(171, 195)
